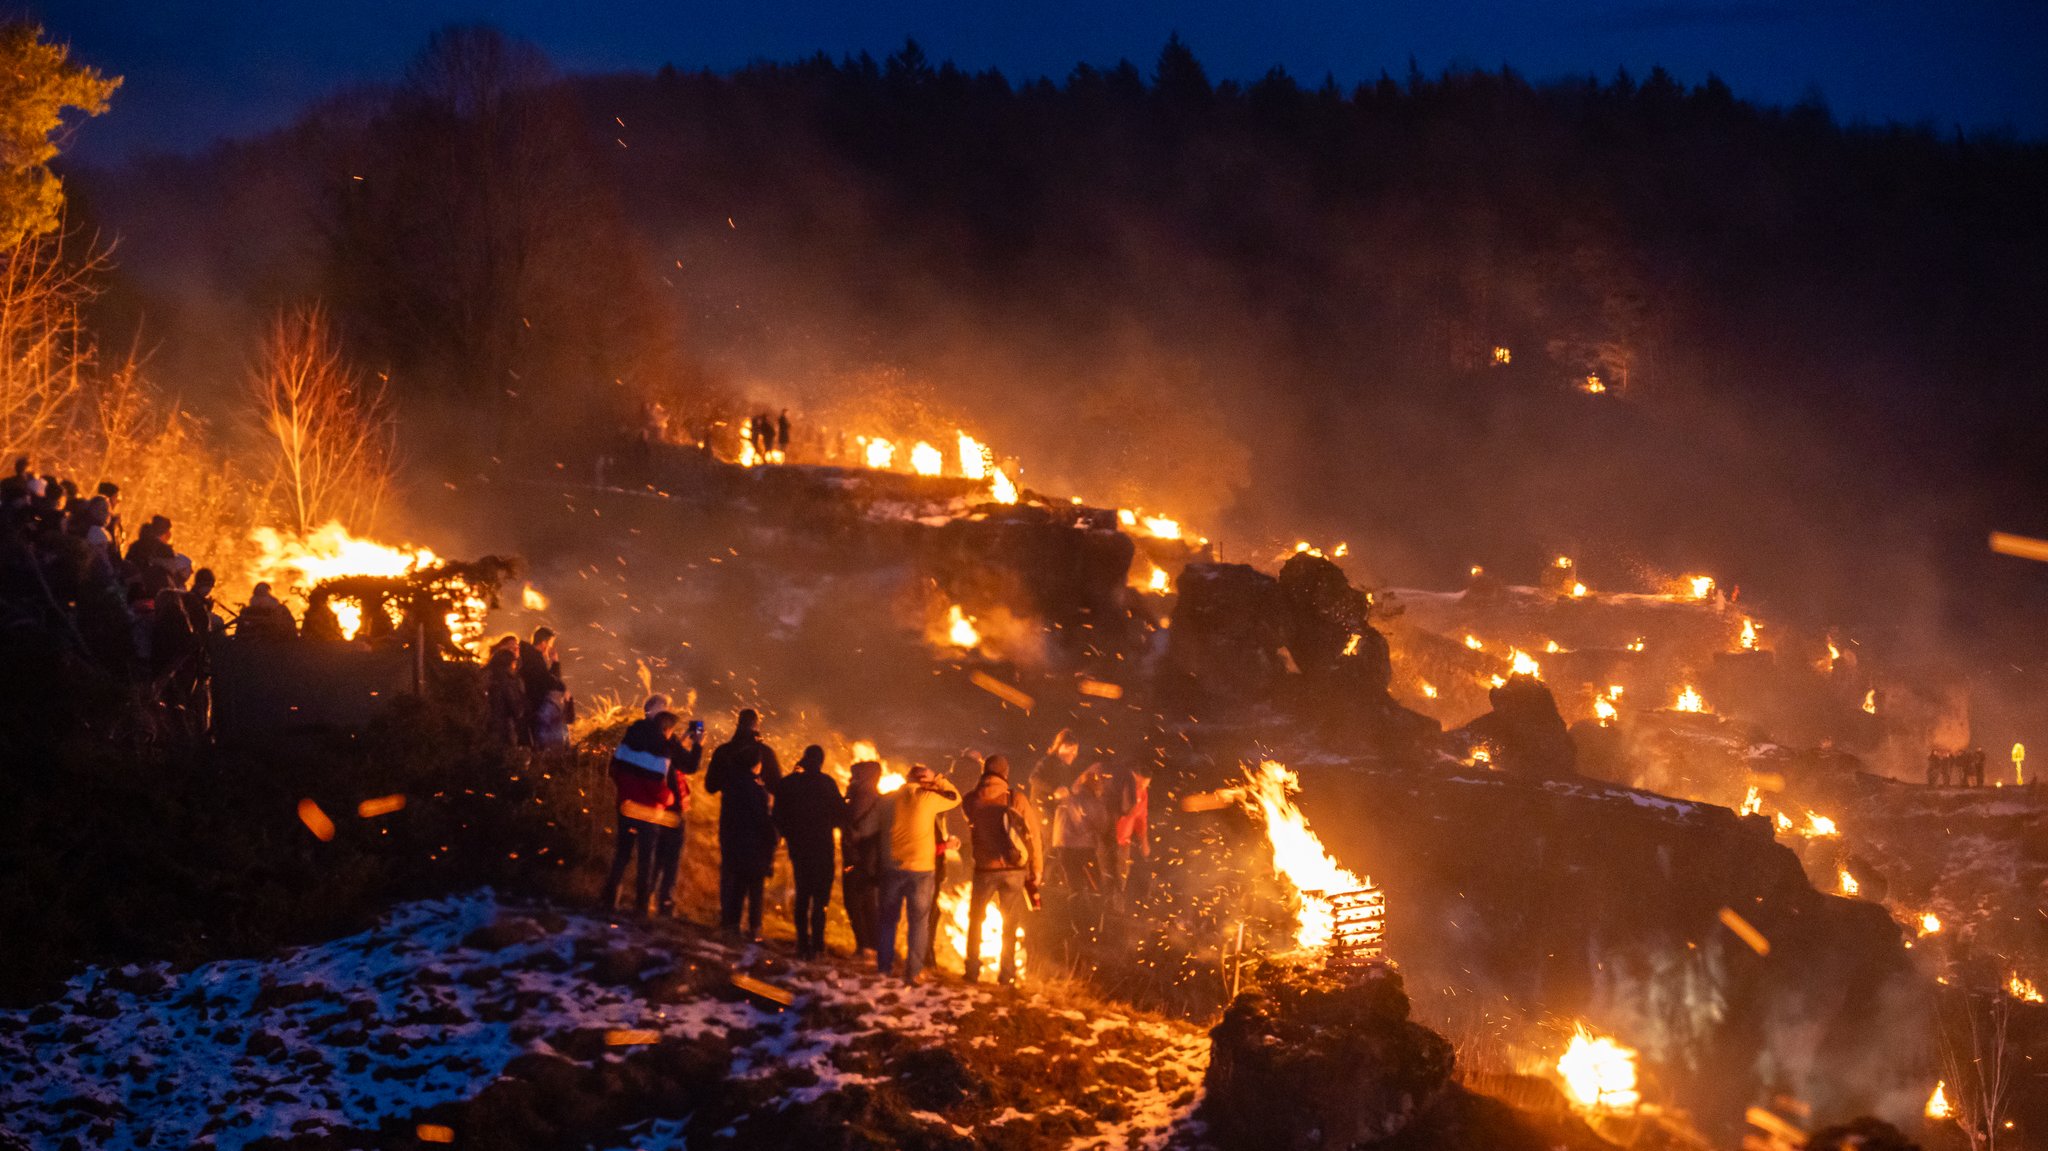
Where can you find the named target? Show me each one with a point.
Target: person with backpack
(808, 810)
(1007, 865)
(642, 772)
(743, 771)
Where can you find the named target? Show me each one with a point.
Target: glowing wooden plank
(382, 805)
(2025, 547)
(1745, 932)
(1001, 690)
(316, 820)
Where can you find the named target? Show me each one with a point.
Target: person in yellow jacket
(906, 820)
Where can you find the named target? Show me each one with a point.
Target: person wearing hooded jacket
(861, 856)
(742, 772)
(1007, 864)
(808, 810)
(642, 771)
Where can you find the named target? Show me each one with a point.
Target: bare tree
(331, 436)
(1982, 1072)
(44, 354)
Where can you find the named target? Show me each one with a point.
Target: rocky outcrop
(1316, 1059)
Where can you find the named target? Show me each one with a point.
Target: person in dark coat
(504, 697)
(742, 772)
(861, 856)
(643, 767)
(540, 672)
(808, 809)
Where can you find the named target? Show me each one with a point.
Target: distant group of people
(888, 849)
(769, 434)
(1956, 768)
(137, 608)
(526, 701)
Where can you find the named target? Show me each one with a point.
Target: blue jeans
(901, 890)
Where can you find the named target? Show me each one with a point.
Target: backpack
(1016, 837)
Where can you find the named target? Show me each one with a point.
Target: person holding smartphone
(668, 843)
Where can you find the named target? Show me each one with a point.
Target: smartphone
(696, 727)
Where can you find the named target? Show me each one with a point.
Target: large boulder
(1524, 732)
(1319, 1059)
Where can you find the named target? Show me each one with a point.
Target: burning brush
(1339, 912)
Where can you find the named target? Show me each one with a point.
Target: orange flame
(1599, 1073)
(1298, 855)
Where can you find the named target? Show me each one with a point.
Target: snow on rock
(446, 998)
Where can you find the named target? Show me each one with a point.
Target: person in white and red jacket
(643, 772)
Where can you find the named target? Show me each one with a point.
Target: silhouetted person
(782, 433)
(861, 855)
(742, 771)
(266, 617)
(540, 672)
(504, 698)
(808, 810)
(1054, 770)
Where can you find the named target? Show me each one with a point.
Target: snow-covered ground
(367, 1033)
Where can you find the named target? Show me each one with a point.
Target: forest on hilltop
(1271, 307)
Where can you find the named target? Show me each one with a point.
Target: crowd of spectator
(135, 608)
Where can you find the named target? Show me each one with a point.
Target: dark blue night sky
(197, 70)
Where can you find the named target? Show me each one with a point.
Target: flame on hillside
(1298, 855)
(2022, 989)
(1001, 489)
(954, 910)
(960, 629)
(293, 564)
(1938, 1105)
(863, 751)
(1689, 700)
(1870, 702)
(531, 599)
(1702, 587)
(927, 460)
(1846, 883)
(974, 458)
(1748, 640)
(1599, 1074)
